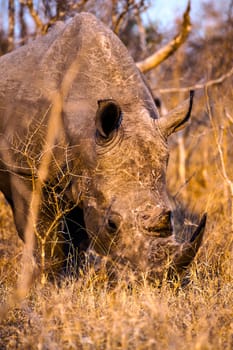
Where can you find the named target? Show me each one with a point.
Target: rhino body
(106, 183)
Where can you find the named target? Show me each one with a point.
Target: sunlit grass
(87, 314)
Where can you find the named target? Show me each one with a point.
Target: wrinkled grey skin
(111, 155)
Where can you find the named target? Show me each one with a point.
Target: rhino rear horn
(176, 119)
(189, 249)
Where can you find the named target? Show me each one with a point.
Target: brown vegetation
(86, 313)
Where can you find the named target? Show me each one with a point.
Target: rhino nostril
(113, 224)
(160, 226)
(167, 216)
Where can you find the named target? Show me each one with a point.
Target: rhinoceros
(105, 182)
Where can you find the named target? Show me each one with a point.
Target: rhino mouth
(169, 258)
(166, 256)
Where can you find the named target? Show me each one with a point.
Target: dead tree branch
(11, 24)
(117, 20)
(207, 84)
(129, 7)
(34, 14)
(161, 55)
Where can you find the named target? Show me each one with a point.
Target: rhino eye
(108, 117)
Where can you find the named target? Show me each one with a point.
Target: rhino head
(125, 205)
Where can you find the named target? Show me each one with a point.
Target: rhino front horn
(189, 249)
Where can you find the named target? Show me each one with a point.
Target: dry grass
(86, 314)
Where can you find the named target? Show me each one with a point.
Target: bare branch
(142, 32)
(22, 23)
(209, 83)
(34, 14)
(130, 6)
(118, 19)
(228, 116)
(11, 25)
(161, 55)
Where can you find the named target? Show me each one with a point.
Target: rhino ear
(176, 119)
(108, 117)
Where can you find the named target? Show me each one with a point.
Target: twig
(34, 14)
(11, 24)
(230, 118)
(209, 83)
(130, 6)
(118, 21)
